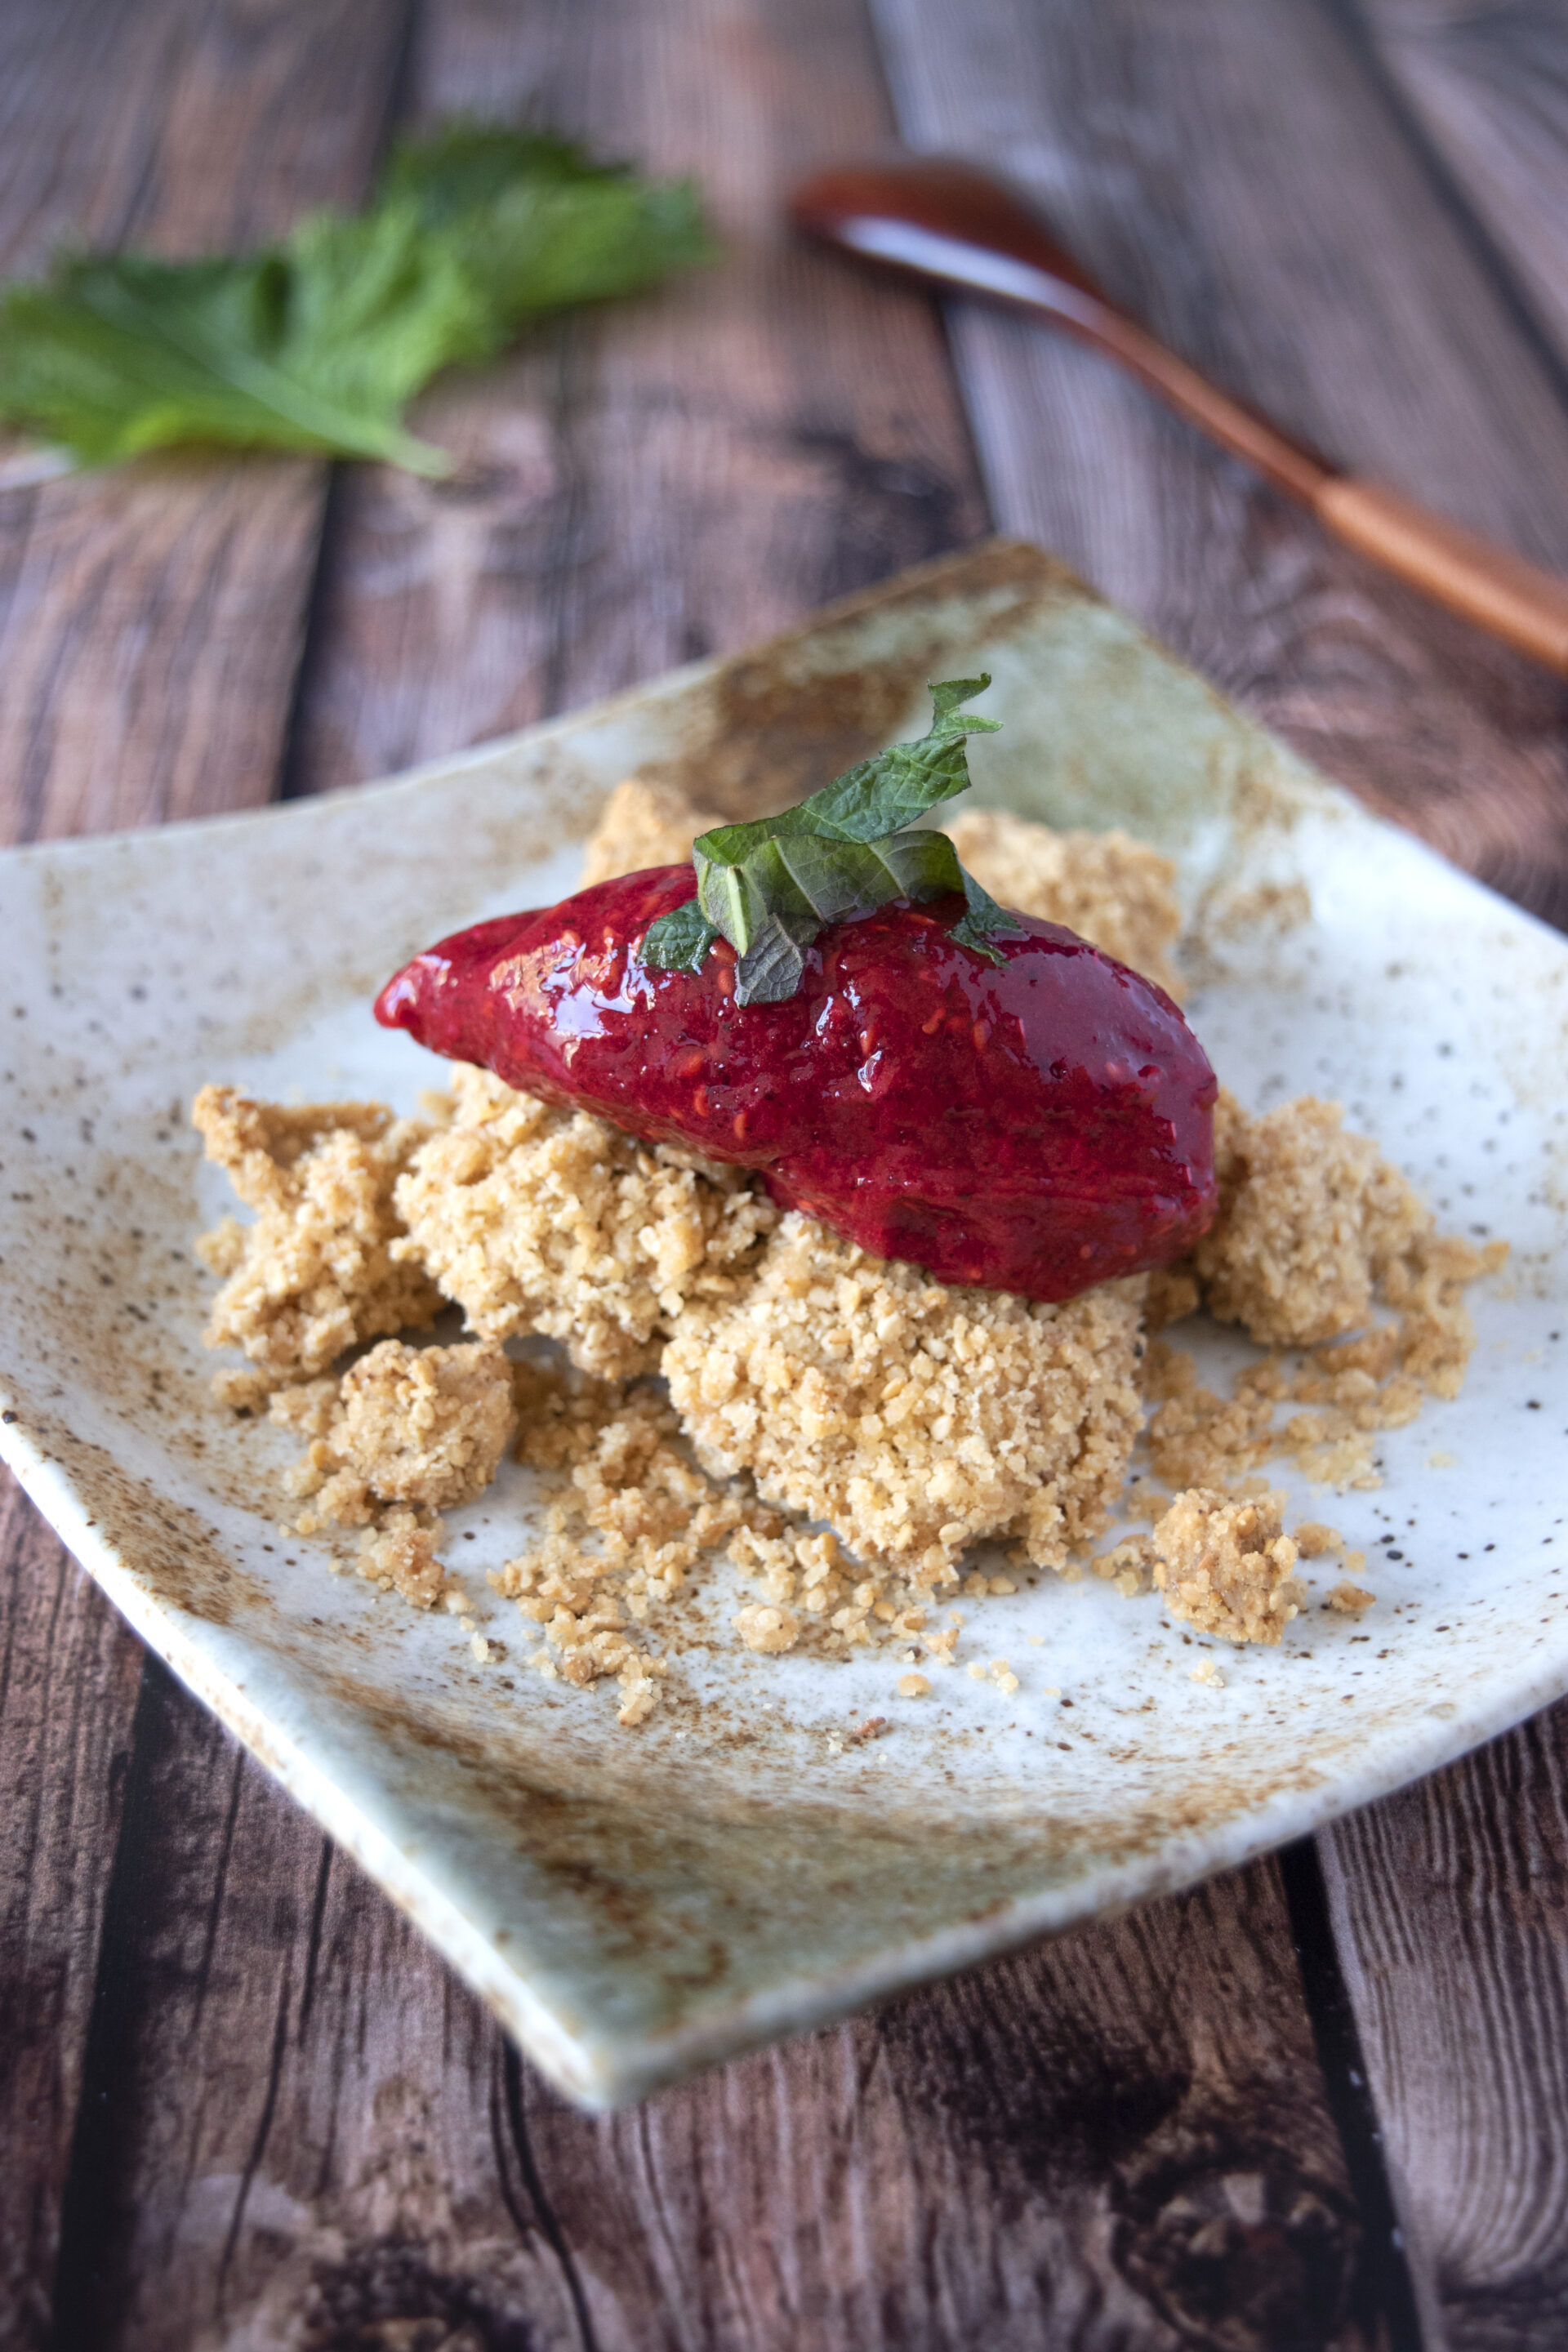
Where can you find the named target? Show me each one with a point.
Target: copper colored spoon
(953, 226)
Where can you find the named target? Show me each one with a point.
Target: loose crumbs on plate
(729, 1378)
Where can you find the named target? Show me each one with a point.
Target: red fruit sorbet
(1036, 1126)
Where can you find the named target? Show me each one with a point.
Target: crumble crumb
(914, 1417)
(763, 1627)
(1207, 1672)
(1109, 888)
(1311, 1221)
(1349, 1599)
(643, 824)
(913, 1687)
(1199, 1439)
(1312, 1539)
(316, 1272)
(622, 1536)
(1226, 1566)
(540, 1219)
(1129, 1565)
(401, 1556)
(421, 1427)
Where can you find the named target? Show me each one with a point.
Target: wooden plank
(1451, 1901)
(1296, 250)
(940, 2175)
(1490, 91)
(296, 2121)
(1027, 2157)
(149, 629)
(69, 1673)
(662, 480)
(1299, 251)
(290, 2106)
(151, 619)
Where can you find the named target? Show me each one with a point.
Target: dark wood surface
(241, 2104)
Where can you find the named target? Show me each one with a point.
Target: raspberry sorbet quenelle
(843, 1010)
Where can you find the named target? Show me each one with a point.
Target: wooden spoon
(952, 225)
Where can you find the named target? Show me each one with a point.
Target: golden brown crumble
(316, 1271)
(536, 1220)
(1224, 1565)
(621, 1536)
(643, 824)
(401, 1554)
(421, 1427)
(1316, 1231)
(916, 1418)
(1109, 888)
(1311, 1220)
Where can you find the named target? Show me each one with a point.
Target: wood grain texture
(1489, 86)
(297, 2129)
(148, 629)
(151, 619)
(299, 2133)
(664, 479)
(69, 1672)
(1451, 1905)
(294, 2119)
(1095, 2144)
(1293, 248)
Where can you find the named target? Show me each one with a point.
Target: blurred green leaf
(319, 343)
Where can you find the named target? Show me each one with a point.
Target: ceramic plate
(637, 1902)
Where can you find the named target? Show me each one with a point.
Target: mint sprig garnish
(771, 887)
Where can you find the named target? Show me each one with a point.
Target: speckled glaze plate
(637, 1903)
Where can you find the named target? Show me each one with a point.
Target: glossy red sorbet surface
(1036, 1126)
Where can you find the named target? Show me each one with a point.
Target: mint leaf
(319, 343)
(879, 795)
(113, 358)
(771, 887)
(680, 942)
(983, 921)
(545, 226)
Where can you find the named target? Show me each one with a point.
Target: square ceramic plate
(635, 1904)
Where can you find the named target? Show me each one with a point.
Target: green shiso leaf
(319, 343)
(771, 887)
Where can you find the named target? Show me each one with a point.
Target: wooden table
(1322, 2101)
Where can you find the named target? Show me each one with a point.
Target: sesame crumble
(1226, 1566)
(315, 1273)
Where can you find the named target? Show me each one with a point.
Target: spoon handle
(1490, 585)
(952, 227)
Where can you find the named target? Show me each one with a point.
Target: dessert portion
(845, 1011)
(754, 1357)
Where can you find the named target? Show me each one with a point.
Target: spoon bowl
(946, 224)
